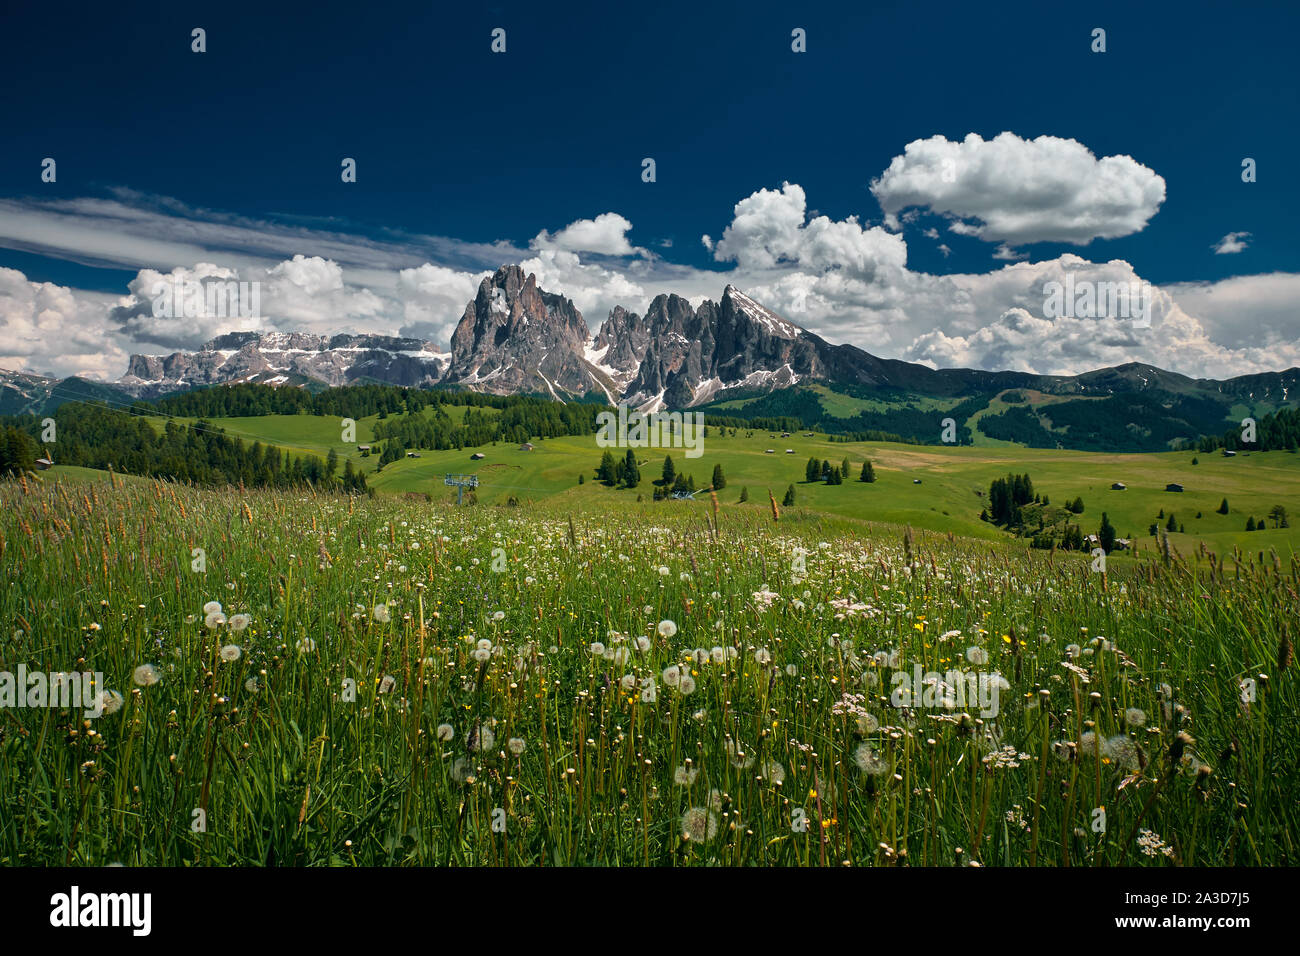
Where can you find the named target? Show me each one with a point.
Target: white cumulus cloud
(770, 229)
(1015, 191)
(48, 327)
(605, 235)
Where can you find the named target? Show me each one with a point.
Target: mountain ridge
(516, 338)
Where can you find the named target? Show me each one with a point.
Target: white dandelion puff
(480, 740)
(699, 825)
(868, 761)
(739, 759)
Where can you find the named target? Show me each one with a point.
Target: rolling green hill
(953, 489)
(1130, 409)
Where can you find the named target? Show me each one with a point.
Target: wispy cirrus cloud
(1233, 242)
(137, 230)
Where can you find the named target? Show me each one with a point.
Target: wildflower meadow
(301, 680)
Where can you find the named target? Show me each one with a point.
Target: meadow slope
(953, 490)
(387, 681)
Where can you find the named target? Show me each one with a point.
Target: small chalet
(478, 456)
(1118, 486)
(1227, 453)
(526, 446)
(43, 463)
(1173, 486)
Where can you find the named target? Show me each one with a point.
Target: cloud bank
(846, 279)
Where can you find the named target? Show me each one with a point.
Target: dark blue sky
(453, 140)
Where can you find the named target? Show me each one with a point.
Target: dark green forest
(96, 436)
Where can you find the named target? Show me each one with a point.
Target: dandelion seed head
(699, 825)
(868, 761)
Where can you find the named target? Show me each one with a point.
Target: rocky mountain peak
(516, 337)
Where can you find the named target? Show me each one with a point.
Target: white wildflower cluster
(1151, 844)
(1005, 758)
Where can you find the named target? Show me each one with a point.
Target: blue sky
(464, 157)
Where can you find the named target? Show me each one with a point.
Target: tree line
(96, 436)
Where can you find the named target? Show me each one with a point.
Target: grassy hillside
(946, 499)
(1128, 409)
(348, 681)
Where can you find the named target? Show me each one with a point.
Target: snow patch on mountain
(769, 320)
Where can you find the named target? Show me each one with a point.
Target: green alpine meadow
(588, 440)
(301, 678)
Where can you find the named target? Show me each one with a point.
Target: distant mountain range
(734, 356)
